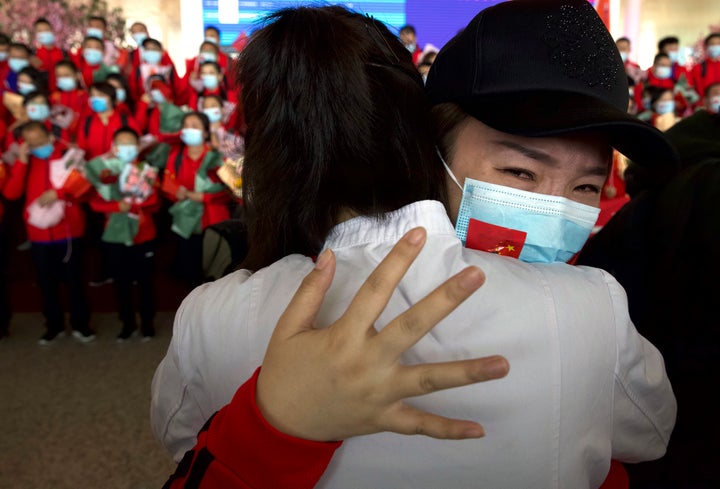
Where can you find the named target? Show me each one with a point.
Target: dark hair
(660, 56)
(216, 97)
(36, 76)
(655, 93)
(31, 125)
(709, 87)
(212, 28)
(208, 43)
(94, 39)
(337, 120)
(41, 20)
(203, 119)
(106, 89)
(665, 41)
(213, 64)
(34, 94)
(408, 28)
(4, 39)
(126, 130)
(19, 45)
(124, 83)
(98, 18)
(711, 36)
(67, 63)
(447, 120)
(148, 41)
(623, 39)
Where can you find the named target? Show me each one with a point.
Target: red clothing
(4, 70)
(194, 98)
(148, 118)
(3, 179)
(95, 138)
(237, 448)
(146, 224)
(215, 208)
(14, 135)
(654, 81)
(136, 85)
(134, 57)
(49, 57)
(33, 179)
(85, 69)
(705, 74)
(77, 101)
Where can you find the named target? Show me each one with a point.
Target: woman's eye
(590, 189)
(519, 173)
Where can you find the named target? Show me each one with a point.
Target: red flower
(107, 177)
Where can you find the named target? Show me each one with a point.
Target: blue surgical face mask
(713, 51)
(94, 32)
(43, 152)
(212, 40)
(674, 56)
(207, 56)
(120, 94)
(92, 56)
(213, 113)
(25, 88)
(157, 96)
(99, 104)
(624, 56)
(191, 136)
(665, 107)
(126, 152)
(715, 104)
(17, 64)
(37, 112)
(411, 47)
(210, 81)
(663, 72)
(151, 57)
(66, 83)
(46, 38)
(546, 228)
(139, 37)
(3, 55)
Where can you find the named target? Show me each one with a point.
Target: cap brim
(548, 113)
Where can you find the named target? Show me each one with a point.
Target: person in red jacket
(200, 198)
(211, 82)
(47, 54)
(632, 69)
(89, 61)
(151, 64)
(124, 104)
(37, 108)
(707, 71)
(148, 108)
(55, 224)
(125, 193)
(670, 45)
(69, 98)
(408, 37)
(95, 133)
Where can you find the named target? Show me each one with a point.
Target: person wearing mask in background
(97, 28)
(95, 133)
(711, 100)
(150, 107)
(124, 104)
(662, 104)
(534, 154)
(208, 54)
(212, 35)
(408, 37)
(47, 53)
(658, 76)
(223, 137)
(632, 69)
(139, 32)
(213, 83)
(200, 198)
(29, 80)
(89, 61)
(670, 45)
(37, 108)
(125, 192)
(69, 99)
(151, 65)
(18, 59)
(55, 225)
(707, 71)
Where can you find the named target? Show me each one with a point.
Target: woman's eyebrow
(531, 153)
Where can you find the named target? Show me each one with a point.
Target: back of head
(337, 124)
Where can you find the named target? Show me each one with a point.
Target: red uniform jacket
(95, 138)
(215, 205)
(144, 211)
(77, 101)
(33, 179)
(705, 74)
(48, 58)
(180, 93)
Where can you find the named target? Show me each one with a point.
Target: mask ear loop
(447, 169)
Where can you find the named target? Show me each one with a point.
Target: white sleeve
(175, 415)
(644, 406)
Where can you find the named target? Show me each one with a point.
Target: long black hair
(337, 121)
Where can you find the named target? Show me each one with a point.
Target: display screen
(435, 22)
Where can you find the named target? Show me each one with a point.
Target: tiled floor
(75, 415)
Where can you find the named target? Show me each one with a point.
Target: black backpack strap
(124, 119)
(178, 161)
(703, 69)
(88, 121)
(56, 130)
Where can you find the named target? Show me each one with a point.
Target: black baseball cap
(544, 68)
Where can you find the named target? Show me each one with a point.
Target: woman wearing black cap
(585, 386)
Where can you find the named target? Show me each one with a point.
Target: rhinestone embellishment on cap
(581, 46)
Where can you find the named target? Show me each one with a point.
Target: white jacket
(584, 386)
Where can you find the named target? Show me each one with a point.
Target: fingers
(416, 380)
(407, 329)
(375, 293)
(407, 420)
(300, 313)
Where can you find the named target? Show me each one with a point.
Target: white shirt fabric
(583, 387)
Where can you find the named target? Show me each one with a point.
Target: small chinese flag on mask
(488, 237)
